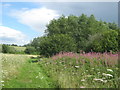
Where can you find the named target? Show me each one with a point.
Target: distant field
(19, 49)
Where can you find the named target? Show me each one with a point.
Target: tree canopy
(75, 33)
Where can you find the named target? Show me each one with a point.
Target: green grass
(18, 49)
(65, 72)
(11, 63)
(30, 76)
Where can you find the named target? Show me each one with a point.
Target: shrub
(107, 41)
(5, 48)
(30, 50)
(56, 43)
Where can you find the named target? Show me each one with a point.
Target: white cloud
(12, 36)
(36, 18)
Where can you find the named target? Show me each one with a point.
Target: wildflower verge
(71, 70)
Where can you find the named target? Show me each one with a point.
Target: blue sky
(22, 21)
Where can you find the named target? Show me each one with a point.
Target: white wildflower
(82, 87)
(104, 74)
(88, 75)
(110, 70)
(98, 79)
(83, 80)
(2, 81)
(76, 66)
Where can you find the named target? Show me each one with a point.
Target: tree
(5, 48)
(57, 26)
(54, 44)
(14, 45)
(113, 26)
(84, 31)
(106, 41)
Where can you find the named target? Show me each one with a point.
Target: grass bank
(30, 76)
(19, 72)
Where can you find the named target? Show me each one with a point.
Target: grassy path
(30, 76)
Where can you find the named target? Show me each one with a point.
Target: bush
(56, 43)
(5, 48)
(107, 41)
(30, 50)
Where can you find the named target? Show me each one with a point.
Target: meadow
(11, 64)
(18, 72)
(64, 70)
(18, 49)
(90, 70)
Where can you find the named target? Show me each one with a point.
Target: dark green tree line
(77, 33)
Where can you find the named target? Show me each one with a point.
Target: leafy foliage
(86, 32)
(90, 70)
(105, 42)
(30, 50)
(5, 48)
(56, 43)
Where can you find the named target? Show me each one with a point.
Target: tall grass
(90, 70)
(18, 72)
(11, 64)
(107, 58)
(64, 70)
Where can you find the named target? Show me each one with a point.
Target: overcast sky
(22, 21)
